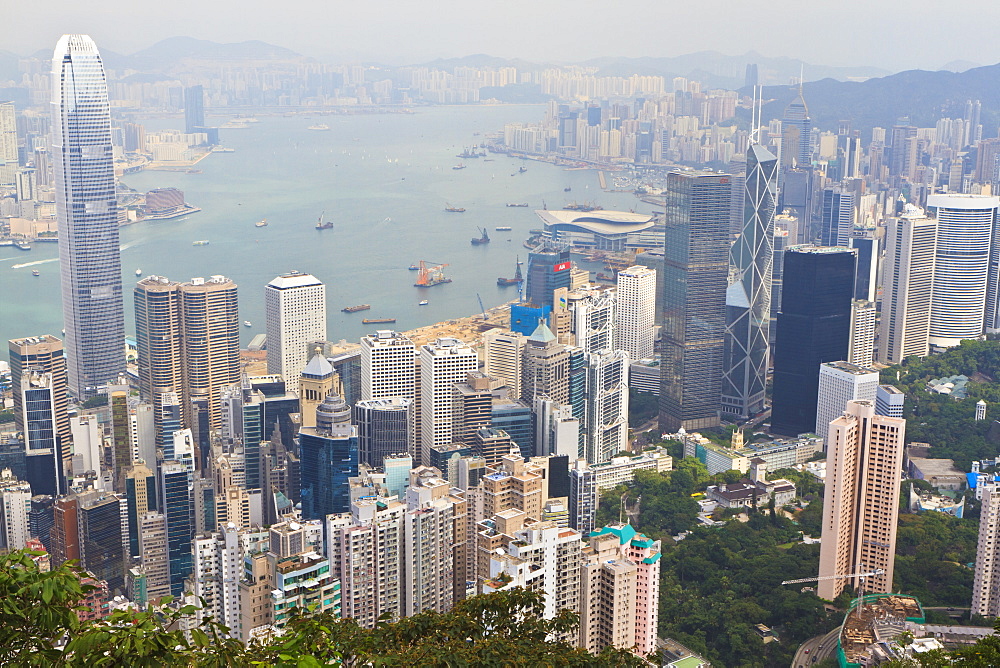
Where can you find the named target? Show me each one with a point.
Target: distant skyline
(847, 33)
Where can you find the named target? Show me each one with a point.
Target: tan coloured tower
(316, 381)
(861, 502)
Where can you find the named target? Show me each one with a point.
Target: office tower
(41, 518)
(814, 326)
(836, 222)
(433, 544)
(861, 346)
(557, 432)
(176, 502)
(121, 438)
(15, 510)
(545, 367)
(397, 473)
(217, 567)
(442, 364)
(388, 366)
(866, 281)
(840, 382)
(619, 593)
(907, 286)
(516, 419)
(606, 423)
(295, 310)
(964, 273)
(502, 353)
(861, 505)
(473, 405)
(88, 445)
(696, 267)
(45, 353)
(89, 527)
(44, 467)
(154, 558)
(194, 109)
(592, 319)
(385, 428)
(316, 381)
(8, 144)
(492, 445)
(583, 497)
(365, 548)
(140, 499)
(87, 210)
(158, 326)
(328, 454)
(636, 313)
(796, 134)
(255, 412)
(144, 433)
(889, 401)
(548, 270)
(748, 298)
(653, 259)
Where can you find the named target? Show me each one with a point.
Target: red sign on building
(562, 266)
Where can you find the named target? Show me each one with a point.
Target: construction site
(870, 628)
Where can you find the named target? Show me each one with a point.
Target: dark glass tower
(87, 210)
(194, 109)
(814, 326)
(748, 300)
(695, 272)
(329, 458)
(548, 270)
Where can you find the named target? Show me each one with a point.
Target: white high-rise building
(388, 366)
(861, 347)
(87, 211)
(15, 506)
(593, 318)
(889, 401)
(986, 578)
(295, 310)
(840, 382)
(503, 352)
(636, 312)
(442, 364)
(216, 572)
(907, 286)
(8, 144)
(963, 268)
(606, 416)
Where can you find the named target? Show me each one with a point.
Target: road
(815, 654)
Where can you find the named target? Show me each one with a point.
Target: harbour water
(382, 180)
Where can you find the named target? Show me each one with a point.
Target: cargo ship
(484, 239)
(320, 225)
(454, 209)
(502, 228)
(523, 205)
(582, 207)
(373, 321)
(200, 242)
(318, 126)
(355, 309)
(517, 280)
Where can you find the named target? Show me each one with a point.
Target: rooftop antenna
(754, 119)
(802, 76)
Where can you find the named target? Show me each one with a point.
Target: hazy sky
(883, 33)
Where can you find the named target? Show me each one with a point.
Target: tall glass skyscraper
(87, 211)
(748, 299)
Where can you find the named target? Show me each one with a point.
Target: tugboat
(414, 267)
(485, 239)
(517, 280)
(320, 225)
(454, 209)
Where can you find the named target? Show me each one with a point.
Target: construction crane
(482, 308)
(861, 582)
(430, 274)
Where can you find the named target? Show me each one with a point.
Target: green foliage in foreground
(39, 627)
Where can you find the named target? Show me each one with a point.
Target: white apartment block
(907, 286)
(840, 382)
(503, 352)
(636, 312)
(295, 313)
(443, 363)
(986, 579)
(15, 505)
(861, 346)
(217, 570)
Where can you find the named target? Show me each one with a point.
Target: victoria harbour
(383, 180)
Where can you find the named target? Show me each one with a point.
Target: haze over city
(920, 34)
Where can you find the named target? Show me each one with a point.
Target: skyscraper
(986, 580)
(442, 364)
(194, 109)
(796, 134)
(964, 280)
(840, 382)
(548, 270)
(385, 427)
(87, 211)
(43, 353)
(861, 503)
(295, 310)
(836, 216)
(696, 266)
(329, 457)
(907, 286)
(861, 347)
(8, 144)
(43, 455)
(635, 314)
(814, 326)
(606, 424)
(388, 366)
(748, 299)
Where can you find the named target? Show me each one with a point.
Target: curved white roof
(600, 222)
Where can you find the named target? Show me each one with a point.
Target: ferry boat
(26, 245)
(458, 166)
(502, 228)
(320, 225)
(454, 209)
(261, 223)
(247, 323)
(319, 126)
(423, 303)
(355, 309)
(373, 321)
(35, 272)
(200, 242)
(138, 272)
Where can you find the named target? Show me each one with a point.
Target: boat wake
(32, 264)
